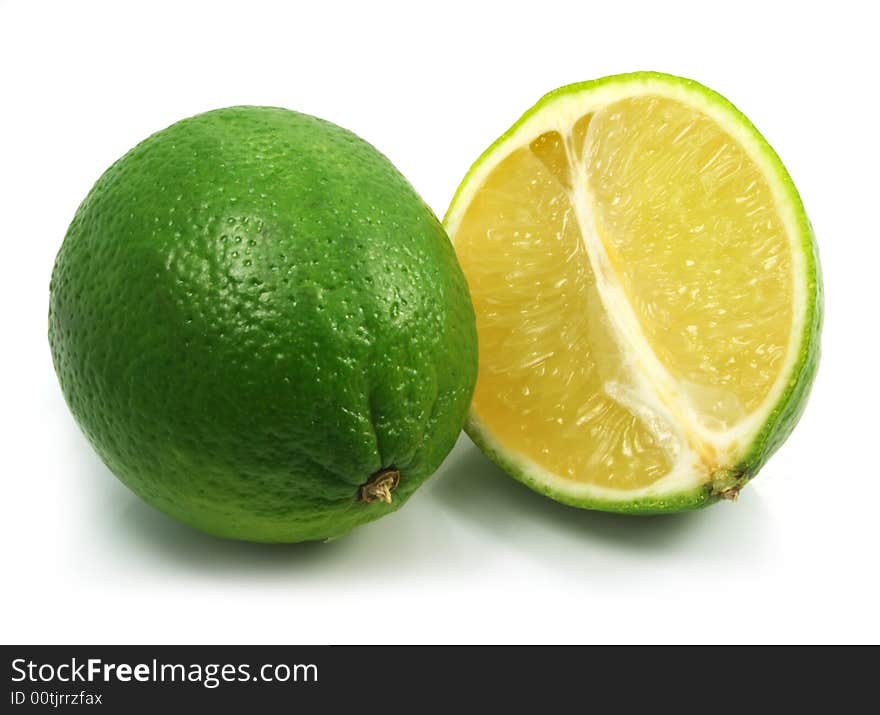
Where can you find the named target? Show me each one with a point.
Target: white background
(474, 556)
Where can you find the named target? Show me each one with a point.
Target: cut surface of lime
(647, 294)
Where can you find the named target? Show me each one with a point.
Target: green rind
(784, 415)
(670, 503)
(251, 313)
(789, 408)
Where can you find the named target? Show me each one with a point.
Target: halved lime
(647, 292)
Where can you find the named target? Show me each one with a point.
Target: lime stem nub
(727, 483)
(380, 486)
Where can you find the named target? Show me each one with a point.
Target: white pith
(698, 452)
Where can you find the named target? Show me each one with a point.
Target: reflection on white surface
(448, 531)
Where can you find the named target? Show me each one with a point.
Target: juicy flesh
(616, 381)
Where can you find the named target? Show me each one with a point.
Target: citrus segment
(546, 349)
(690, 227)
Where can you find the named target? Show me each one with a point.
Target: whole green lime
(261, 327)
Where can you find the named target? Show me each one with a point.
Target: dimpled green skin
(251, 314)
